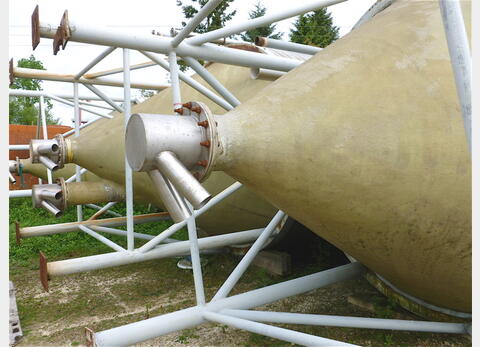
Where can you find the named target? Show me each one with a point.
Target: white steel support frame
(461, 60)
(45, 131)
(235, 310)
(128, 169)
(78, 175)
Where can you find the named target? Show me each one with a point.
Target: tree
(23, 110)
(267, 31)
(215, 20)
(315, 29)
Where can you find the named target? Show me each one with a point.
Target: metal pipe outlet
(50, 208)
(12, 179)
(174, 203)
(48, 163)
(47, 147)
(182, 179)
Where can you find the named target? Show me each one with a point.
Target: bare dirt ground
(112, 297)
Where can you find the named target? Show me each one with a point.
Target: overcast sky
(139, 16)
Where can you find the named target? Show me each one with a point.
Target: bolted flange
(51, 153)
(50, 197)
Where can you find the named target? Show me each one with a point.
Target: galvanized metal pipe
(18, 147)
(32, 93)
(51, 229)
(98, 208)
(102, 261)
(272, 331)
(196, 265)
(52, 76)
(157, 44)
(128, 169)
(265, 74)
(182, 179)
(191, 82)
(260, 21)
(348, 322)
(247, 259)
(73, 177)
(173, 68)
(50, 208)
(161, 325)
(66, 102)
(458, 47)
(45, 133)
(102, 239)
(11, 178)
(174, 228)
(94, 62)
(104, 97)
(119, 70)
(210, 79)
(195, 21)
(76, 110)
(174, 203)
(20, 193)
(48, 163)
(104, 209)
(286, 46)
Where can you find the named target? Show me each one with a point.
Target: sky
(140, 16)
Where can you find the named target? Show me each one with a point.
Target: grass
(71, 244)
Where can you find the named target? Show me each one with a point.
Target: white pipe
(210, 79)
(272, 331)
(12, 178)
(128, 169)
(18, 147)
(94, 62)
(33, 93)
(52, 76)
(348, 322)
(286, 46)
(195, 21)
(104, 97)
(95, 105)
(161, 325)
(45, 132)
(173, 68)
(461, 60)
(83, 126)
(66, 102)
(106, 260)
(259, 22)
(247, 259)
(119, 70)
(20, 193)
(78, 175)
(191, 82)
(51, 229)
(195, 256)
(158, 44)
(104, 209)
(73, 177)
(265, 74)
(102, 239)
(174, 228)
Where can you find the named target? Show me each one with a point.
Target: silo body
(364, 144)
(100, 149)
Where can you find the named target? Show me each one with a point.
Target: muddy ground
(108, 298)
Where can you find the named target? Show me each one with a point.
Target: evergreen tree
(267, 31)
(215, 20)
(315, 29)
(24, 110)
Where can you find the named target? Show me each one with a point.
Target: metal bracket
(43, 271)
(35, 28)
(62, 35)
